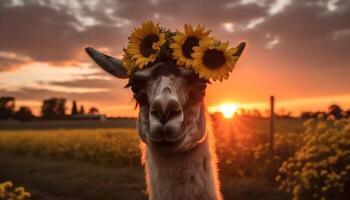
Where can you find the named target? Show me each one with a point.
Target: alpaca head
(170, 99)
(169, 95)
(171, 113)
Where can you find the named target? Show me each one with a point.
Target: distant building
(98, 117)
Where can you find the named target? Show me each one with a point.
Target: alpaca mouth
(168, 145)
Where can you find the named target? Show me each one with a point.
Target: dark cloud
(36, 31)
(179, 12)
(51, 32)
(49, 35)
(115, 97)
(306, 32)
(88, 83)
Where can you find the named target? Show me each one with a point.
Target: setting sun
(227, 109)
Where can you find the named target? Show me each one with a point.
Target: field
(52, 125)
(101, 160)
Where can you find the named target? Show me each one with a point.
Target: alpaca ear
(240, 49)
(110, 64)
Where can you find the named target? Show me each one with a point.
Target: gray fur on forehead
(165, 70)
(161, 69)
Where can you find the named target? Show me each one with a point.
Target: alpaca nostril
(165, 109)
(158, 115)
(173, 114)
(155, 114)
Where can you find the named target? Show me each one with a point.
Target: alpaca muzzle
(166, 117)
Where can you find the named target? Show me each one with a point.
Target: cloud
(88, 83)
(272, 43)
(65, 29)
(255, 22)
(306, 30)
(332, 5)
(11, 61)
(107, 98)
(278, 6)
(229, 27)
(46, 34)
(339, 34)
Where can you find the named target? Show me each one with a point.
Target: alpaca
(177, 145)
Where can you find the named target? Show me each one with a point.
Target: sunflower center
(214, 58)
(146, 45)
(189, 43)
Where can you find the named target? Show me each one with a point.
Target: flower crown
(208, 57)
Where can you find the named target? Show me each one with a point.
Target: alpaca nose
(166, 108)
(166, 118)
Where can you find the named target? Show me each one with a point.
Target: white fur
(189, 175)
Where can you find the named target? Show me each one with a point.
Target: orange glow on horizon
(227, 109)
(126, 109)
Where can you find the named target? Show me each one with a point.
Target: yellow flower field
(103, 146)
(320, 169)
(8, 192)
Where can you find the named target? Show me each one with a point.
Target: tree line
(51, 109)
(333, 110)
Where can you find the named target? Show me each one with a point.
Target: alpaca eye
(197, 90)
(137, 83)
(196, 95)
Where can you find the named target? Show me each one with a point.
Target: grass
(66, 179)
(57, 179)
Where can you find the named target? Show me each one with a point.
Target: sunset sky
(297, 50)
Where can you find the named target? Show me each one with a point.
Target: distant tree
(289, 114)
(317, 114)
(267, 113)
(282, 113)
(54, 108)
(82, 110)
(7, 107)
(306, 115)
(93, 111)
(256, 113)
(248, 113)
(74, 108)
(335, 110)
(24, 114)
(242, 111)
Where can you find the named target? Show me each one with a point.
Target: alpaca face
(170, 98)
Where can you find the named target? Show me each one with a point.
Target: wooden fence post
(271, 132)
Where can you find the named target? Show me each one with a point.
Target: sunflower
(184, 43)
(144, 43)
(213, 60)
(128, 63)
